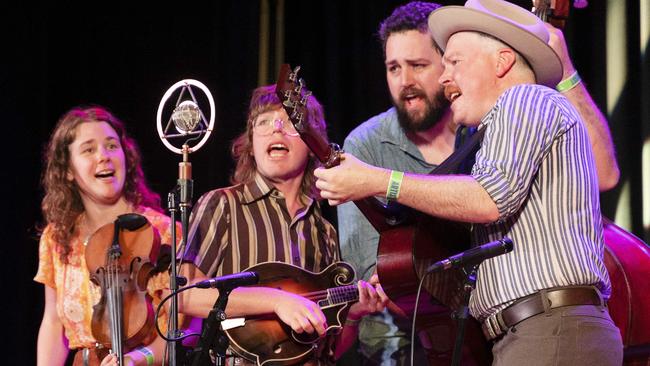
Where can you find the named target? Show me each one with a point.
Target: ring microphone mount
(187, 122)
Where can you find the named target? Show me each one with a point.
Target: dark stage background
(125, 56)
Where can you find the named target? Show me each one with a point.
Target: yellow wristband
(394, 185)
(146, 352)
(569, 83)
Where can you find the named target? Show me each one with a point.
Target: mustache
(451, 89)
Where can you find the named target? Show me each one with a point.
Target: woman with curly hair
(92, 175)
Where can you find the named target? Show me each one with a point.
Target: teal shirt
(380, 141)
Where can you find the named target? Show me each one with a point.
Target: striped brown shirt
(237, 227)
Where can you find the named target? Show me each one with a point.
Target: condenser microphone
(473, 256)
(229, 282)
(187, 122)
(186, 116)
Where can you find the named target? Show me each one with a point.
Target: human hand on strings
(351, 180)
(301, 314)
(111, 360)
(372, 299)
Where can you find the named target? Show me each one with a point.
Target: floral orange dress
(75, 293)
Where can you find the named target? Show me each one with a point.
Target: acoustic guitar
(267, 340)
(409, 241)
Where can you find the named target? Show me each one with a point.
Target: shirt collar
(257, 188)
(260, 187)
(392, 133)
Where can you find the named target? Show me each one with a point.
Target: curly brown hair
(263, 100)
(62, 204)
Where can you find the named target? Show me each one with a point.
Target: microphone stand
(463, 312)
(184, 187)
(212, 337)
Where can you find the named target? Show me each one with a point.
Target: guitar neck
(328, 154)
(290, 90)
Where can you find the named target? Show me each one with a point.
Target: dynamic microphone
(231, 281)
(473, 256)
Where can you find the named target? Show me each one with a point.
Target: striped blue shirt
(536, 164)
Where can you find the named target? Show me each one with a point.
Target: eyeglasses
(266, 127)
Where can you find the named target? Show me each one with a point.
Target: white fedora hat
(513, 25)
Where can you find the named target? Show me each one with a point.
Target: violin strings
(114, 299)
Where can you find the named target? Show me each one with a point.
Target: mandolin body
(269, 341)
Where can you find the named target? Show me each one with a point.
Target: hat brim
(447, 20)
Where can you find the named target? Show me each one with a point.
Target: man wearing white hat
(534, 181)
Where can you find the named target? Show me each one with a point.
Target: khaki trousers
(571, 335)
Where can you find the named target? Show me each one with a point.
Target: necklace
(85, 228)
(85, 225)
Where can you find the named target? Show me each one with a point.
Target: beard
(418, 121)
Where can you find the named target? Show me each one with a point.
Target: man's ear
(505, 61)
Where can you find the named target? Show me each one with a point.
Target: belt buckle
(492, 328)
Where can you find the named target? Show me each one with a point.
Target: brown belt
(537, 303)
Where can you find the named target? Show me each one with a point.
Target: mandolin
(267, 340)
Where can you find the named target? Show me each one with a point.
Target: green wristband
(394, 185)
(569, 83)
(148, 355)
(352, 322)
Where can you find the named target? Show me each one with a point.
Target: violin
(121, 258)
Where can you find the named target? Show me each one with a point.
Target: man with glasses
(270, 214)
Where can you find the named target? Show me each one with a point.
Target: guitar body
(405, 252)
(415, 241)
(269, 341)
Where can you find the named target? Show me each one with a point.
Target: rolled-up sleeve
(520, 131)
